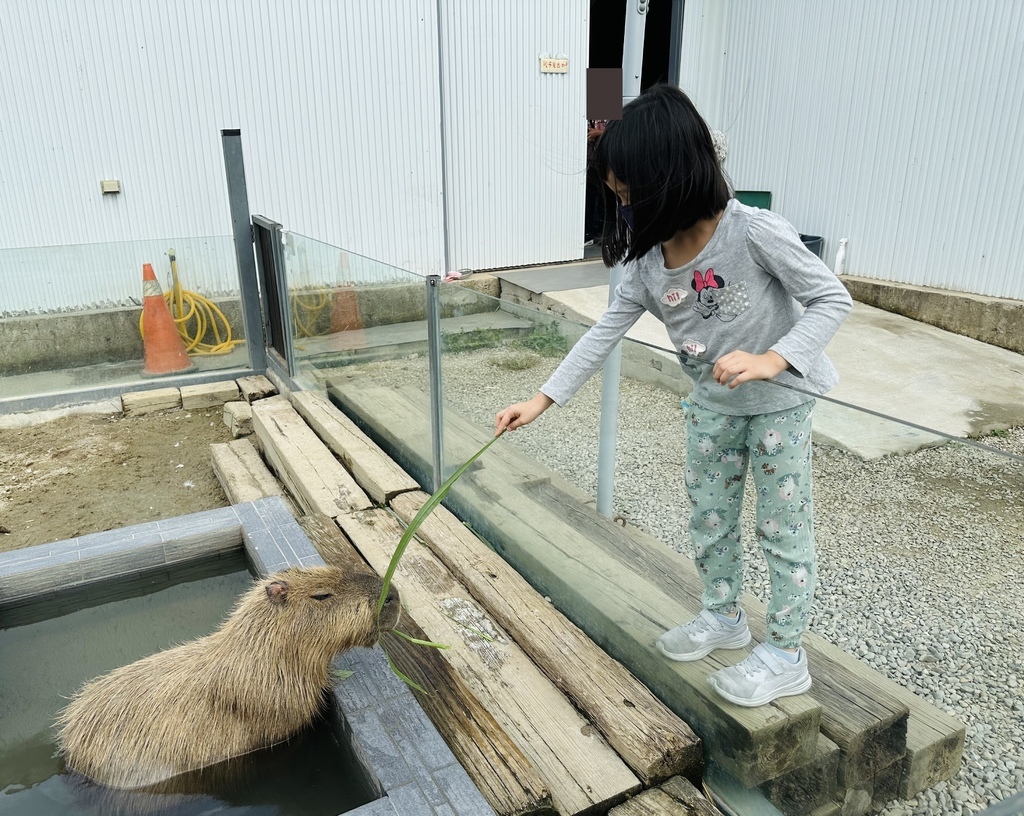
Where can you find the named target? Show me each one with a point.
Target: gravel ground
(919, 555)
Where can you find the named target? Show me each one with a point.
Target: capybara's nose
(392, 609)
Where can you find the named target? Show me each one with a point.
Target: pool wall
(414, 769)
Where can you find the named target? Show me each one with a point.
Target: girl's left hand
(740, 366)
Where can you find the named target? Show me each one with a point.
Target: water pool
(52, 646)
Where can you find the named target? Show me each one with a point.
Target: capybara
(252, 683)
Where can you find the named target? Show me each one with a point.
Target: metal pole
(675, 44)
(632, 66)
(241, 227)
(434, 355)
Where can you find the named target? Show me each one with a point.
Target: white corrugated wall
(515, 138)
(896, 125)
(338, 106)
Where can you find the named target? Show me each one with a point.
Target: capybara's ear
(277, 591)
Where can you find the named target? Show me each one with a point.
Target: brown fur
(255, 681)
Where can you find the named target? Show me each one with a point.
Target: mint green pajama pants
(777, 449)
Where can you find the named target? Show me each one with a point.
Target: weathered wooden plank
(146, 402)
(331, 543)
(655, 802)
(934, 739)
(803, 789)
(682, 791)
(255, 387)
(494, 763)
(935, 745)
(621, 589)
(374, 470)
(871, 795)
(582, 772)
(243, 474)
(675, 797)
(208, 395)
(654, 742)
(309, 470)
(867, 722)
(504, 775)
(238, 417)
(887, 786)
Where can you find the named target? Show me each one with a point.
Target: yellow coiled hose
(195, 315)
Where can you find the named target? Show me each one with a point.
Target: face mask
(626, 211)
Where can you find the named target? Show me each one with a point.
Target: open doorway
(607, 28)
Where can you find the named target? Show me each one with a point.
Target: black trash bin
(813, 243)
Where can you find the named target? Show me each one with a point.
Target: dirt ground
(86, 473)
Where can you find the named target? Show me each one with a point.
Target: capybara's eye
(322, 597)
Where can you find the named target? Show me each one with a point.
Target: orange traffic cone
(164, 349)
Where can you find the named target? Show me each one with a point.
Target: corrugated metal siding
(515, 138)
(338, 105)
(896, 125)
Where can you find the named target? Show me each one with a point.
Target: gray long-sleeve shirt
(744, 291)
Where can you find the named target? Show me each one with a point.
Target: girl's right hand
(522, 413)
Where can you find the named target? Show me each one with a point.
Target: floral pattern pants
(777, 449)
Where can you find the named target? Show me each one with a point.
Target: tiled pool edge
(390, 732)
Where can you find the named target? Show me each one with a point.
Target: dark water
(43, 663)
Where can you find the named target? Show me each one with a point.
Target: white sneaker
(761, 678)
(701, 636)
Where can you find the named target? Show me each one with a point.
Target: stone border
(388, 730)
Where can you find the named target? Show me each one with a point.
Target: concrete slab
(559, 277)
(908, 371)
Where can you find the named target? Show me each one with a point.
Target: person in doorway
(594, 211)
(746, 303)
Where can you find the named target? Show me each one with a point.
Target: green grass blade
(419, 642)
(404, 678)
(419, 518)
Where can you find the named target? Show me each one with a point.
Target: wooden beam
(676, 797)
(502, 772)
(652, 740)
(810, 786)
(309, 470)
(934, 739)
(582, 772)
(498, 768)
(867, 722)
(243, 474)
(374, 471)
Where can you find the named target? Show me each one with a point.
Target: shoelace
(753, 667)
(699, 625)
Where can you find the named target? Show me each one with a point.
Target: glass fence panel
(70, 315)
(359, 334)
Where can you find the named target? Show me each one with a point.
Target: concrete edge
(996, 321)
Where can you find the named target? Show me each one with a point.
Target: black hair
(661, 150)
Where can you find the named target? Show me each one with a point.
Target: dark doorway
(607, 28)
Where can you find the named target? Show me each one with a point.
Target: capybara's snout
(390, 612)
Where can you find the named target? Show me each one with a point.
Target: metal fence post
(241, 227)
(434, 355)
(632, 66)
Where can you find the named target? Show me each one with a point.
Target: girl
(728, 281)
